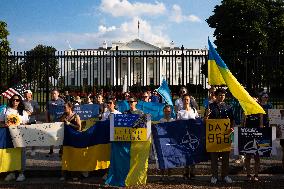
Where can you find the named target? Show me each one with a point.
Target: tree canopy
(41, 64)
(248, 26)
(4, 43)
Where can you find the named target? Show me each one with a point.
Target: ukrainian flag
(219, 74)
(129, 163)
(10, 157)
(88, 150)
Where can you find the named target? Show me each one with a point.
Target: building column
(144, 71)
(128, 72)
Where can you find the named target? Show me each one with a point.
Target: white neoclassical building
(135, 62)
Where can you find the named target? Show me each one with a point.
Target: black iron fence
(82, 70)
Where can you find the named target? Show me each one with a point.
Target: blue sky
(87, 23)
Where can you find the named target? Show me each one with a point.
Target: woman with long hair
(71, 119)
(16, 108)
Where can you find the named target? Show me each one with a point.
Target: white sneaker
(228, 180)
(10, 176)
(21, 177)
(214, 180)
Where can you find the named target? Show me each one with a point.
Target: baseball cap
(28, 91)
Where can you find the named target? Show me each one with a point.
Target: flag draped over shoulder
(165, 92)
(88, 150)
(10, 157)
(217, 70)
(180, 143)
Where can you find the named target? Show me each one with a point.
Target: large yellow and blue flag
(88, 150)
(10, 157)
(219, 74)
(129, 159)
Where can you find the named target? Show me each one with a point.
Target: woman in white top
(16, 107)
(188, 112)
(110, 106)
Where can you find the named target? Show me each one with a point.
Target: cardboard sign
(130, 127)
(45, 134)
(276, 119)
(254, 141)
(218, 133)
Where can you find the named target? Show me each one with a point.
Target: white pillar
(144, 71)
(128, 73)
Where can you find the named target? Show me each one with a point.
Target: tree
(4, 50)
(240, 26)
(4, 43)
(40, 65)
(247, 29)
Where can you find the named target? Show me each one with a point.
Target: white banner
(44, 134)
(276, 119)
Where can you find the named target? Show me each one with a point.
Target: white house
(142, 63)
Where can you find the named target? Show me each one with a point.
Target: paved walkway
(44, 172)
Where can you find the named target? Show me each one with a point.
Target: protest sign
(276, 119)
(130, 127)
(180, 143)
(85, 111)
(218, 133)
(255, 141)
(45, 134)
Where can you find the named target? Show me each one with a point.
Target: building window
(72, 81)
(72, 65)
(108, 81)
(85, 66)
(151, 81)
(96, 81)
(85, 81)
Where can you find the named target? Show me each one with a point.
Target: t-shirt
(163, 120)
(58, 102)
(137, 111)
(185, 115)
(107, 114)
(32, 106)
(179, 103)
(24, 119)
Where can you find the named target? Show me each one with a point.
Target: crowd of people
(185, 108)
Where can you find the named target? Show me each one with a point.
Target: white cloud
(178, 17)
(125, 32)
(104, 29)
(124, 8)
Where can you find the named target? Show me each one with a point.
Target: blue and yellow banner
(129, 159)
(88, 150)
(10, 157)
(219, 74)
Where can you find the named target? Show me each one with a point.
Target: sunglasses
(131, 101)
(109, 102)
(145, 96)
(16, 99)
